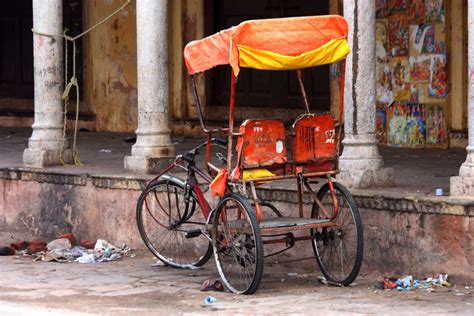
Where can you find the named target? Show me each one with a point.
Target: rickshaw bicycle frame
(236, 228)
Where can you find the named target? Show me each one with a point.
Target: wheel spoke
(162, 221)
(339, 249)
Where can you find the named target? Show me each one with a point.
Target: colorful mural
(411, 73)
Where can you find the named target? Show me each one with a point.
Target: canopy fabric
(272, 44)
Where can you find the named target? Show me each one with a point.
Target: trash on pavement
(63, 249)
(209, 300)
(215, 286)
(408, 283)
(61, 243)
(87, 258)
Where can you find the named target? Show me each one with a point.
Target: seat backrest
(261, 143)
(314, 138)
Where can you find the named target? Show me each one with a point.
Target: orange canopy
(275, 44)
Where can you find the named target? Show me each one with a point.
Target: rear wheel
(338, 249)
(237, 244)
(165, 217)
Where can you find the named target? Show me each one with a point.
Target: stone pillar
(464, 183)
(153, 147)
(46, 140)
(360, 163)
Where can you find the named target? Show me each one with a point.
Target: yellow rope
(73, 81)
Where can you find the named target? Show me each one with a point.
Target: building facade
(408, 78)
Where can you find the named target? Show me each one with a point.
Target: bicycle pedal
(193, 233)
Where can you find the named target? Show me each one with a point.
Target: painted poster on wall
(397, 124)
(423, 95)
(422, 39)
(420, 69)
(381, 9)
(398, 34)
(434, 11)
(381, 126)
(397, 5)
(440, 36)
(400, 72)
(416, 12)
(407, 125)
(439, 81)
(384, 84)
(415, 125)
(435, 126)
(381, 38)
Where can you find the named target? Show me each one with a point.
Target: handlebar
(189, 156)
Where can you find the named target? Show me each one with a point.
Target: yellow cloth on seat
(257, 173)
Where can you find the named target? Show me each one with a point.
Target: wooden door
(16, 45)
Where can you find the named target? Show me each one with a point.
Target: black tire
(237, 244)
(163, 221)
(339, 249)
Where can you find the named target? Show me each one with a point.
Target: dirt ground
(133, 286)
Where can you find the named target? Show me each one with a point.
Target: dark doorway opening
(16, 45)
(265, 89)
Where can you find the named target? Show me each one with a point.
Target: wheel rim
(235, 246)
(165, 221)
(336, 247)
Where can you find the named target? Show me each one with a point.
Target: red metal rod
(292, 176)
(231, 121)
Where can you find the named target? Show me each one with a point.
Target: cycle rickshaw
(179, 226)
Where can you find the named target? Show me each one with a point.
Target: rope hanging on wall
(72, 82)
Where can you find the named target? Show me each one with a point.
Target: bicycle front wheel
(170, 225)
(237, 244)
(338, 249)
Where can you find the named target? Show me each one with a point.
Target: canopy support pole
(299, 74)
(231, 121)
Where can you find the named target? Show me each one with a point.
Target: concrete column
(153, 146)
(46, 140)
(360, 162)
(464, 183)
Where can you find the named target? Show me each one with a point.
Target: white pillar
(153, 144)
(464, 183)
(46, 140)
(360, 163)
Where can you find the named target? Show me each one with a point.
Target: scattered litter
(209, 300)
(87, 258)
(291, 274)
(439, 192)
(108, 151)
(61, 243)
(327, 282)
(63, 249)
(216, 286)
(408, 283)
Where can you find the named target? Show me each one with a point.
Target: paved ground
(132, 286)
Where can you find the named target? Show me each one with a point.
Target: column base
(363, 179)
(146, 165)
(461, 186)
(45, 157)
